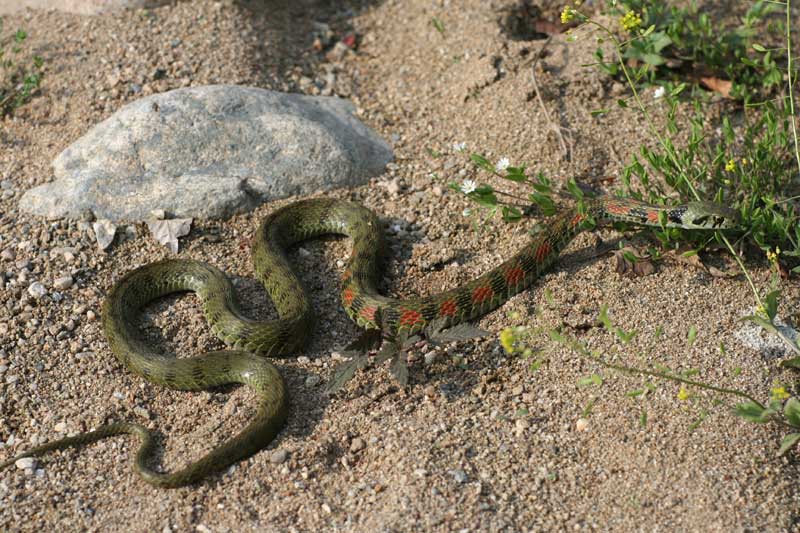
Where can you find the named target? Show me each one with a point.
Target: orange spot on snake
(514, 275)
(369, 312)
(448, 308)
(481, 294)
(616, 209)
(409, 317)
(652, 216)
(542, 252)
(347, 296)
(347, 274)
(577, 219)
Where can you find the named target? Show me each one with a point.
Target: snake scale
(362, 301)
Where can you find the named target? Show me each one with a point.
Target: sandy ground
(479, 441)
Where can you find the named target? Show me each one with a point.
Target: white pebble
(582, 424)
(25, 463)
(36, 290)
(340, 263)
(278, 457)
(90, 315)
(61, 427)
(63, 283)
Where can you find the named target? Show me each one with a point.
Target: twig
(553, 125)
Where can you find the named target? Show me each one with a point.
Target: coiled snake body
(360, 297)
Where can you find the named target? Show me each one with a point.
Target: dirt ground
(479, 441)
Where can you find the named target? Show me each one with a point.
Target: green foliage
(18, 81)
(680, 38)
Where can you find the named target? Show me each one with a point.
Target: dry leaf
(631, 263)
(719, 85)
(167, 231)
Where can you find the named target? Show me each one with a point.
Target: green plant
(753, 166)
(17, 81)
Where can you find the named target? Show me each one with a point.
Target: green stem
(791, 85)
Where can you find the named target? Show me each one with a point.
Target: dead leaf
(167, 231)
(632, 263)
(719, 85)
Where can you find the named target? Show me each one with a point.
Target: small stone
(357, 445)
(104, 231)
(279, 456)
(142, 412)
(63, 283)
(303, 360)
(25, 463)
(61, 427)
(582, 424)
(393, 187)
(36, 290)
(203, 529)
(521, 425)
(459, 475)
(430, 357)
(90, 315)
(312, 380)
(8, 255)
(326, 508)
(158, 214)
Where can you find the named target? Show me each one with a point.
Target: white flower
(502, 164)
(659, 92)
(459, 147)
(468, 186)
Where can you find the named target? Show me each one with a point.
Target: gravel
(462, 412)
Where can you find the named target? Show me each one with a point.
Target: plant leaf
(345, 372)
(792, 411)
(788, 442)
(399, 368)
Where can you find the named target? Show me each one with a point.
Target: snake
(250, 340)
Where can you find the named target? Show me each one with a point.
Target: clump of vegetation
(18, 80)
(750, 161)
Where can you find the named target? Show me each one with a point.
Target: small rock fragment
(357, 445)
(582, 424)
(104, 231)
(25, 463)
(63, 283)
(279, 456)
(167, 232)
(36, 290)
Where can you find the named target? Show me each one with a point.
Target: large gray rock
(84, 7)
(209, 152)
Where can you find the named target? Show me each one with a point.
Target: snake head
(708, 215)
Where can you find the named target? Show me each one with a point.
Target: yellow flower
(683, 394)
(568, 14)
(772, 257)
(507, 339)
(730, 166)
(744, 162)
(779, 393)
(631, 21)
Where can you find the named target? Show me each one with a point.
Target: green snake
(362, 301)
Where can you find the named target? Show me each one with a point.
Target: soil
(479, 440)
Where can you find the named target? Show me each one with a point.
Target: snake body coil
(280, 230)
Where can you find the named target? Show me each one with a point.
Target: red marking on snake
(409, 317)
(652, 216)
(542, 252)
(448, 308)
(368, 312)
(481, 294)
(616, 209)
(347, 274)
(347, 296)
(577, 219)
(514, 275)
